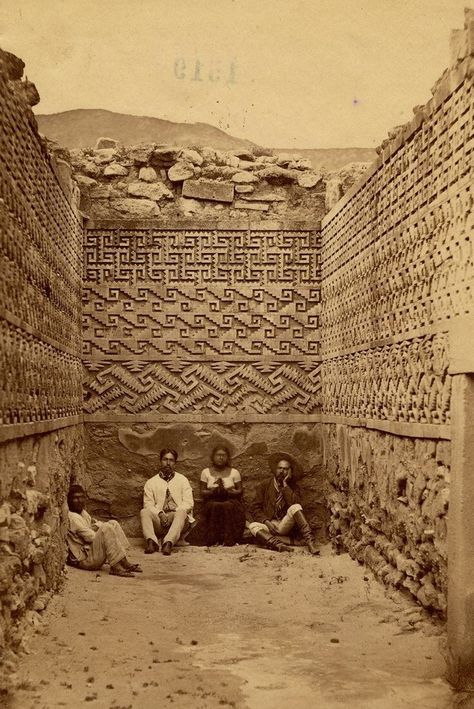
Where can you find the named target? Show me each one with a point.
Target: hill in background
(80, 128)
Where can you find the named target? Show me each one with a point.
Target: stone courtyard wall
(397, 273)
(40, 371)
(201, 315)
(197, 332)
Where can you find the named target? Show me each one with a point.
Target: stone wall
(40, 372)
(120, 458)
(397, 273)
(199, 327)
(201, 311)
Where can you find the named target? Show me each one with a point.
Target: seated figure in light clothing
(91, 543)
(167, 506)
(276, 509)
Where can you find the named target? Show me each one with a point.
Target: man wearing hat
(276, 508)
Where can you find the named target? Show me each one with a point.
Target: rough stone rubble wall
(150, 181)
(397, 269)
(40, 370)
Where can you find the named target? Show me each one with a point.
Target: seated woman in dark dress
(221, 490)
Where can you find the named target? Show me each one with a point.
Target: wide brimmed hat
(296, 469)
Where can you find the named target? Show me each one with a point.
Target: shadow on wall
(119, 460)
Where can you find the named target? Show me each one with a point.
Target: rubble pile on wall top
(150, 180)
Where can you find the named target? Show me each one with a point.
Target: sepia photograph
(236, 354)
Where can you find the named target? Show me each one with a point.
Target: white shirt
(227, 481)
(154, 494)
(81, 533)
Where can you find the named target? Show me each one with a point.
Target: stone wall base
(120, 458)
(36, 471)
(388, 498)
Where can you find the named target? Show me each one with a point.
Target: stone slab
(266, 195)
(216, 191)
(461, 340)
(255, 206)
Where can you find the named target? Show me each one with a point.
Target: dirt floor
(239, 627)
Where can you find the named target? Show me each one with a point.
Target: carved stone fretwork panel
(414, 276)
(185, 320)
(407, 381)
(397, 268)
(398, 254)
(205, 320)
(216, 387)
(40, 284)
(228, 257)
(39, 381)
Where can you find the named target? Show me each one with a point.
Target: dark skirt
(224, 522)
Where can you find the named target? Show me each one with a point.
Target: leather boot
(270, 541)
(151, 546)
(166, 548)
(306, 532)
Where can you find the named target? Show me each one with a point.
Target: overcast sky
(283, 73)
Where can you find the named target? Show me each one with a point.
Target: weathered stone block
(156, 191)
(243, 154)
(180, 171)
(232, 160)
(136, 207)
(190, 206)
(215, 191)
(191, 156)
(147, 174)
(141, 154)
(285, 159)
(101, 191)
(333, 192)
(247, 165)
(217, 172)
(85, 182)
(254, 206)
(105, 143)
(244, 178)
(276, 175)
(102, 156)
(164, 155)
(115, 170)
(308, 179)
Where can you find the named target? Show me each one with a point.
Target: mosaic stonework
(40, 262)
(201, 320)
(397, 267)
(177, 386)
(407, 381)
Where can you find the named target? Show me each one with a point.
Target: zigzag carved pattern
(209, 387)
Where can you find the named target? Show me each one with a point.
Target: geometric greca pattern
(41, 277)
(201, 320)
(398, 267)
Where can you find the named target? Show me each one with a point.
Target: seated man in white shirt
(91, 543)
(167, 506)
